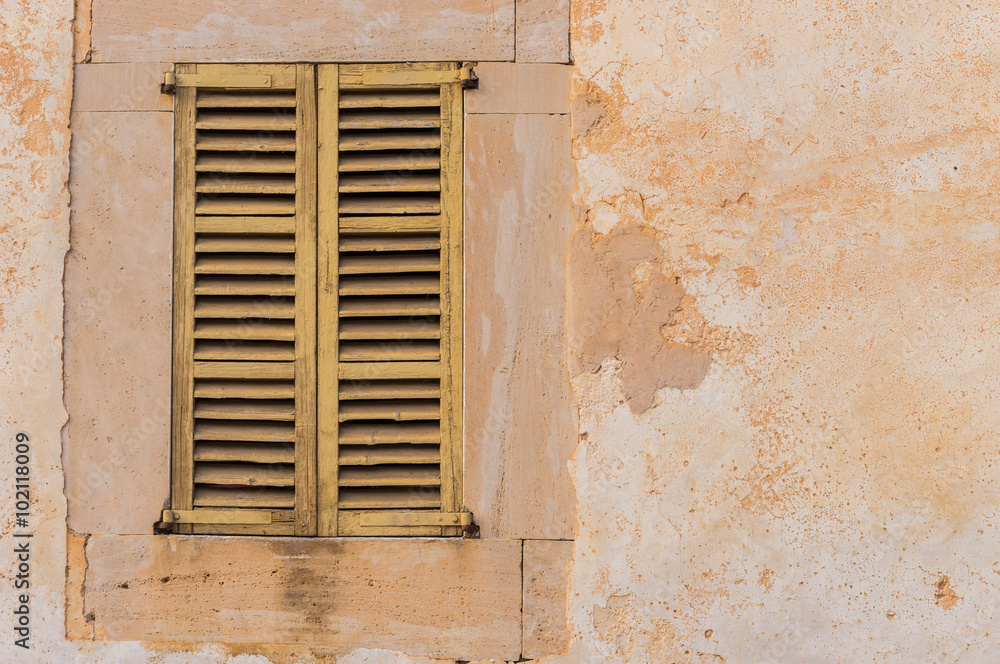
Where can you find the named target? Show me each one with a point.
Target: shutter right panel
(397, 412)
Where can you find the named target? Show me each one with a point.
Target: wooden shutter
(244, 300)
(390, 299)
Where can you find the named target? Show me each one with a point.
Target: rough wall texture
(788, 447)
(36, 44)
(782, 315)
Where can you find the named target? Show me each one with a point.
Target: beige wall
(804, 194)
(767, 338)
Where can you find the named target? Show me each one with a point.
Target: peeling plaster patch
(587, 111)
(618, 316)
(944, 596)
(634, 638)
(766, 579)
(788, 233)
(82, 22)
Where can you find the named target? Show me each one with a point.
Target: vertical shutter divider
(451, 300)
(182, 425)
(305, 301)
(328, 385)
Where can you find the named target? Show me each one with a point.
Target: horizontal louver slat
(390, 498)
(360, 162)
(247, 474)
(385, 351)
(397, 389)
(390, 141)
(240, 264)
(389, 307)
(245, 184)
(244, 285)
(246, 452)
(389, 454)
(241, 205)
(245, 163)
(246, 370)
(390, 99)
(408, 285)
(397, 242)
(389, 183)
(236, 389)
(259, 99)
(258, 330)
(390, 225)
(246, 143)
(244, 350)
(245, 225)
(391, 475)
(394, 118)
(278, 498)
(387, 205)
(262, 121)
(390, 328)
(399, 410)
(366, 433)
(238, 409)
(249, 307)
(401, 262)
(265, 432)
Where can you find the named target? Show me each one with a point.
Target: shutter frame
(231, 219)
(182, 424)
(344, 517)
(231, 315)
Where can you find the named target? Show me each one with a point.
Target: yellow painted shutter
(390, 300)
(244, 300)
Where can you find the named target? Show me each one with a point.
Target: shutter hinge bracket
(405, 519)
(467, 77)
(235, 517)
(172, 81)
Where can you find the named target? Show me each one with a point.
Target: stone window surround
(114, 107)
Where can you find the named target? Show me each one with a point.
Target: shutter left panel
(244, 434)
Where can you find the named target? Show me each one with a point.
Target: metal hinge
(236, 517)
(467, 77)
(375, 519)
(172, 81)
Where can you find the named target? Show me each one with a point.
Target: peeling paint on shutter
(244, 303)
(390, 298)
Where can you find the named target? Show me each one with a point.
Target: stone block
(545, 569)
(448, 598)
(509, 87)
(117, 344)
(302, 30)
(520, 427)
(542, 30)
(121, 87)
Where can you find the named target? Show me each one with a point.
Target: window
(317, 371)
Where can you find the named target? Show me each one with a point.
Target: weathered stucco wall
(788, 448)
(780, 323)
